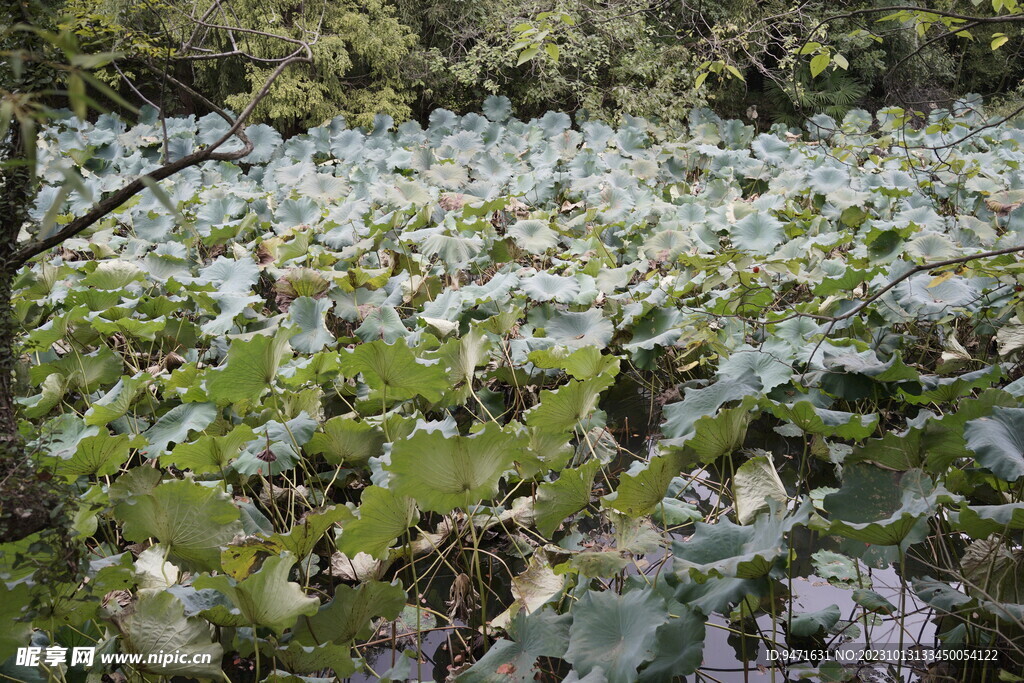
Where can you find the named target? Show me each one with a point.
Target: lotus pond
(497, 400)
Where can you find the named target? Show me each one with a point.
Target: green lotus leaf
(537, 634)
(349, 614)
(265, 598)
(567, 495)
(347, 441)
(116, 402)
(755, 483)
(100, 455)
(757, 232)
(716, 436)
(251, 368)
(883, 508)
(838, 569)
(156, 624)
(811, 624)
(814, 420)
(383, 517)
(678, 646)
(382, 323)
(462, 356)
(941, 595)
(533, 235)
(15, 599)
(998, 442)
(680, 417)
(192, 520)
(583, 363)
(308, 315)
(594, 564)
(981, 521)
(276, 446)
(659, 328)
(113, 275)
(727, 550)
(940, 390)
(747, 361)
(393, 370)
(209, 453)
(442, 473)
(304, 534)
(872, 601)
(642, 489)
(900, 452)
(544, 286)
(229, 275)
(83, 372)
(674, 513)
(614, 633)
(311, 659)
(568, 407)
(54, 389)
(176, 425)
(575, 330)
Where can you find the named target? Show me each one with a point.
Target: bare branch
(209, 153)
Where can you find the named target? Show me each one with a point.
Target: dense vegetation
(571, 397)
(508, 341)
(610, 59)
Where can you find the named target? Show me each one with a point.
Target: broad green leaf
(818, 63)
(116, 402)
(304, 534)
(384, 324)
(614, 633)
(678, 646)
(728, 550)
(981, 521)
(715, 436)
(836, 568)
(811, 624)
(15, 599)
(99, 455)
(872, 601)
(754, 484)
(311, 660)
(265, 598)
(641, 490)
(539, 634)
(383, 517)
(308, 315)
(156, 624)
(680, 417)
(176, 425)
(276, 447)
(393, 370)
(881, 507)
(563, 497)
(583, 363)
(349, 614)
(347, 441)
(998, 442)
(533, 235)
(442, 473)
(569, 406)
(815, 420)
(251, 368)
(192, 520)
(209, 453)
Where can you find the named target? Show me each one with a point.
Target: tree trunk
(28, 499)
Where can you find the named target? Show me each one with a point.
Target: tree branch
(209, 153)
